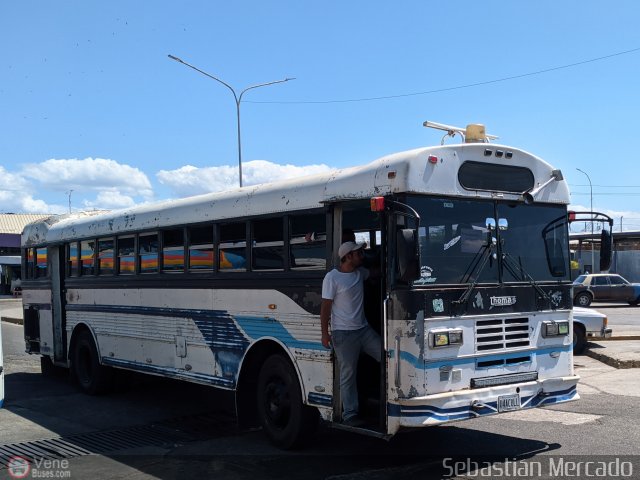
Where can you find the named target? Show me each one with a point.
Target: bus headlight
(446, 338)
(555, 329)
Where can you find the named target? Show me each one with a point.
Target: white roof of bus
(413, 173)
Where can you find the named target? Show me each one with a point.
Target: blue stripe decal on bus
(170, 372)
(223, 333)
(258, 327)
(457, 413)
(320, 399)
(420, 363)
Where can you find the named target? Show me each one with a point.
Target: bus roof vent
(474, 133)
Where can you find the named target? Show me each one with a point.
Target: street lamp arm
(208, 75)
(262, 85)
(238, 99)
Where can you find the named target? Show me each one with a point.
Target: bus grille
(502, 333)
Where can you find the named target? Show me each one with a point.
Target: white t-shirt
(347, 293)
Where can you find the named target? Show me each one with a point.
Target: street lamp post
(237, 98)
(592, 238)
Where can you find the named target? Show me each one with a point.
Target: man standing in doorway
(342, 306)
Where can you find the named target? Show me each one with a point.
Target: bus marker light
(273, 306)
(377, 204)
(433, 159)
(572, 216)
(555, 329)
(441, 339)
(391, 175)
(446, 338)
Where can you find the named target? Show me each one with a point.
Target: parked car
(604, 287)
(587, 324)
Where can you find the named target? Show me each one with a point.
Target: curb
(615, 339)
(611, 361)
(16, 321)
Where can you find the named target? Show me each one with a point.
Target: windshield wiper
(509, 262)
(478, 264)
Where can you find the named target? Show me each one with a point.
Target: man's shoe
(354, 421)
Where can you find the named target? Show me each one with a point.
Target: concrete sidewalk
(11, 309)
(621, 351)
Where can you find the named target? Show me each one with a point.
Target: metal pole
(237, 98)
(593, 267)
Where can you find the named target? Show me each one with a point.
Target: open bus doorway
(361, 225)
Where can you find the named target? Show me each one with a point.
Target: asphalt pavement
(622, 350)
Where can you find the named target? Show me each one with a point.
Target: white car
(588, 323)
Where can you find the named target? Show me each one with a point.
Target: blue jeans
(348, 344)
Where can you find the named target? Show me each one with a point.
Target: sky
(94, 115)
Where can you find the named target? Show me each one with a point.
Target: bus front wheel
(92, 378)
(285, 419)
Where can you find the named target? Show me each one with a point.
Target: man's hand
(325, 317)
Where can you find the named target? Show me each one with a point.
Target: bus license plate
(508, 403)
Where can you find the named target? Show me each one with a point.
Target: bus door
(355, 219)
(403, 311)
(1, 369)
(58, 292)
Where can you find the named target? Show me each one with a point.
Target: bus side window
(308, 242)
(201, 248)
(233, 247)
(73, 264)
(87, 257)
(267, 243)
(105, 256)
(126, 255)
(148, 253)
(173, 250)
(30, 262)
(41, 263)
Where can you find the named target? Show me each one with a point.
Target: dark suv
(604, 287)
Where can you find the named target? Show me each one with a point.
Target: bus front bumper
(466, 404)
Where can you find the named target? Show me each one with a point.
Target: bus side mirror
(408, 258)
(606, 244)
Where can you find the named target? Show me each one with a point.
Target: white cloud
(89, 174)
(190, 180)
(16, 195)
(109, 200)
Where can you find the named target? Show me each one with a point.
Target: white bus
(473, 302)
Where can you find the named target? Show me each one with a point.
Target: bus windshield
(455, 239)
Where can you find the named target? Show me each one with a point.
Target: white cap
(347, 247)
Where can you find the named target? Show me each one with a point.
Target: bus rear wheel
(285, 419)
(92, 378)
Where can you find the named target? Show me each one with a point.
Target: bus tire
(285, 419)
(579, 339)
(91, 377)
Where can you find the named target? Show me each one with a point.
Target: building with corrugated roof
(11, 226)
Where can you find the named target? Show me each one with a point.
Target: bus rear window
(492, 177)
